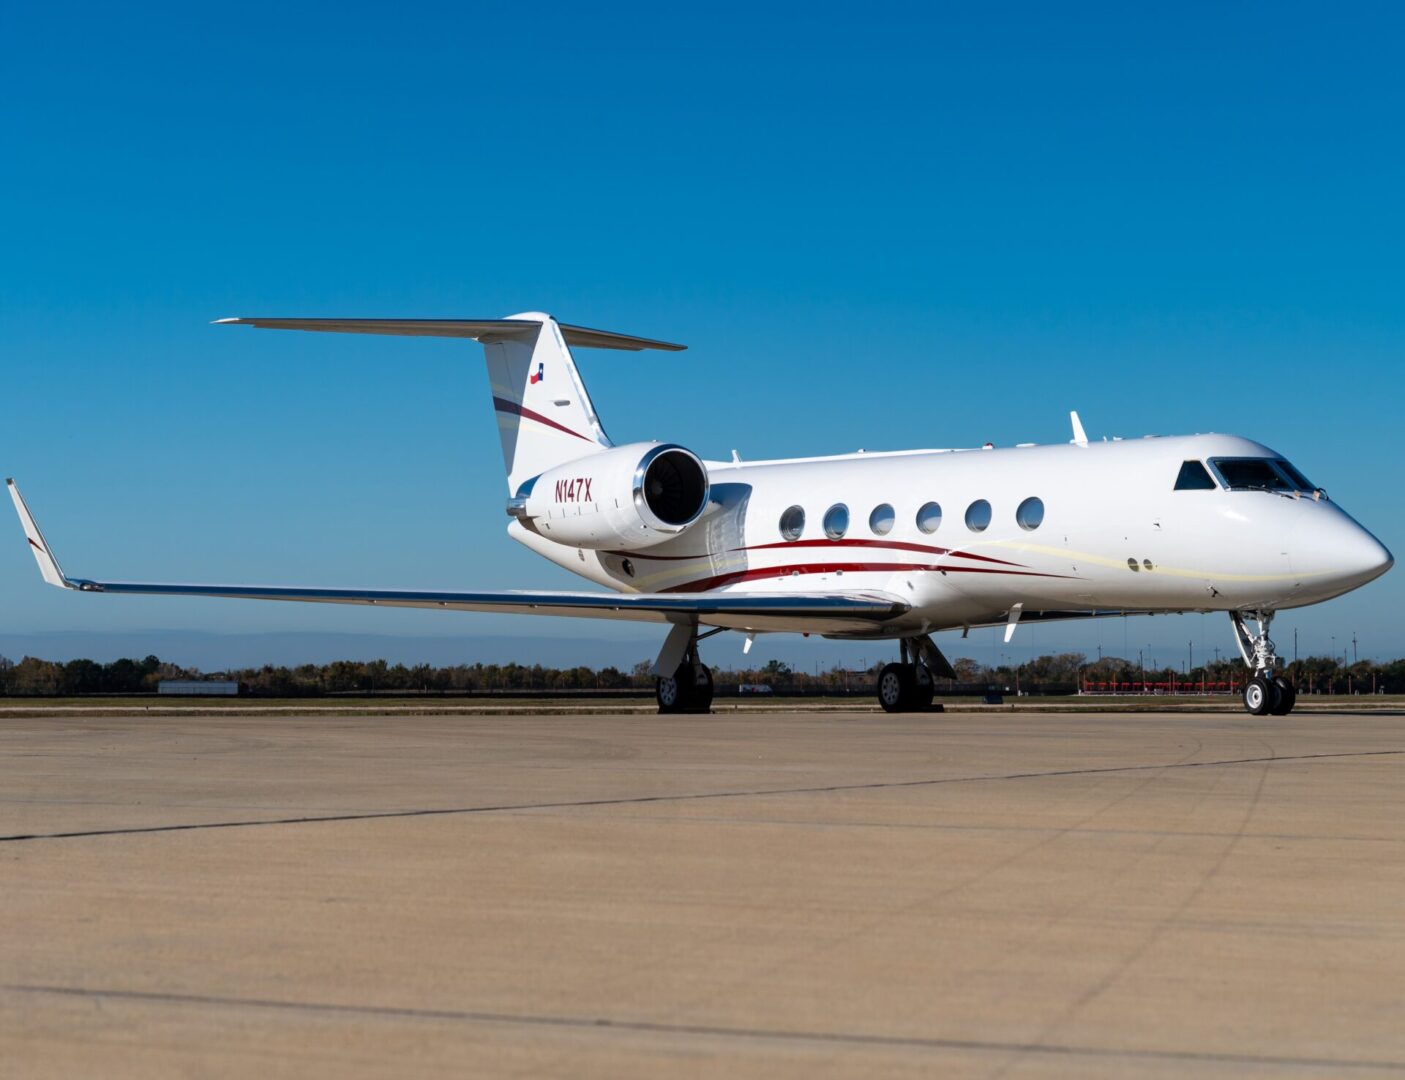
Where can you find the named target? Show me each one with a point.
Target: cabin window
(1194, 477)
(1030, 514)
(882, 519)
(1250, 474)
(978, 516)
(793, 523)
(929, 517)
(836, 521)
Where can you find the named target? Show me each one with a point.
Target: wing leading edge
(816, 612)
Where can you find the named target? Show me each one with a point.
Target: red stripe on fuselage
(503, 405)
(893, 545)
(896, 545)
(759, 572)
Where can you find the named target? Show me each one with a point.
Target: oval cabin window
(929, 517)
(836, 521)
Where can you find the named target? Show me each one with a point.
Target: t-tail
(545, 417)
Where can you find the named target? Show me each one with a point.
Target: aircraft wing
(814, 612)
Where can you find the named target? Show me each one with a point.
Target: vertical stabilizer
(545, 417)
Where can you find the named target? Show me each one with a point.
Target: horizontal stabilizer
(476, 329)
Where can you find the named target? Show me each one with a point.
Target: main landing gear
(908, 686)
(687, 688)
(1266, 693)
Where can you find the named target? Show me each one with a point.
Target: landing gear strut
(907, 686)
(688, 686)
(1266, 693)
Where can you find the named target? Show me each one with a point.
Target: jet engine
(628, 497)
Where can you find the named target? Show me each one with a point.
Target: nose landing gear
(1266, 693)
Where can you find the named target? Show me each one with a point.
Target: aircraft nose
(1362, 557)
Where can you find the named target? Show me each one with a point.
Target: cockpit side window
(1251, 474)
(1194, 477)
(1301, 481)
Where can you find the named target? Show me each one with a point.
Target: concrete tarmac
(787, 895)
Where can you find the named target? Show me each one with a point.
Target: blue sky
(895, 227)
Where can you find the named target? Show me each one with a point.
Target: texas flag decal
(539, 375)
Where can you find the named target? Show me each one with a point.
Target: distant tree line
(1062, 673)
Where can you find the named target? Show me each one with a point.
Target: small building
(199, 687)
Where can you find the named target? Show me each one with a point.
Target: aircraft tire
(1287, 696)
(1260, 695)
(687, 690)
(896, 684)
(923, 689)
(700, 699)
(669, 692)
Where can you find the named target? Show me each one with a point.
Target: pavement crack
(714, 1031)
(632, 800)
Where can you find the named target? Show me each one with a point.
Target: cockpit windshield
(1261, 474)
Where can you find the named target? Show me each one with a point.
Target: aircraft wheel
(688, 689)
(1287, 696)
(923, 689)
(1259, 696)
(669, 692)
(895, 688)
(701, 696)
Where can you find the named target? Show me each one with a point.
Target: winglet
(48, 565)
(1080, 437)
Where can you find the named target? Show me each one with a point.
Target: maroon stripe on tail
(503, 405)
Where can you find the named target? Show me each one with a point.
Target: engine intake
(670, 485)
(628, 497)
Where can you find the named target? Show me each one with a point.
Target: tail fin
(545, 416)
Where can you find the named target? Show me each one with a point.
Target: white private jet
(864, 546)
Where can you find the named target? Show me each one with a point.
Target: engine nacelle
(628, 497)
